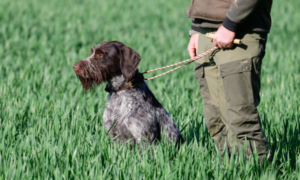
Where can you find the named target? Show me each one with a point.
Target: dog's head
(107, 60)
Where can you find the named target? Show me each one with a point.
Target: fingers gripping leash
(235, 41)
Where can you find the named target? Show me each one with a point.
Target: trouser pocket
(237, 82)
(239, 93)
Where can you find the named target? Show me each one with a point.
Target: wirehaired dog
(132, 113)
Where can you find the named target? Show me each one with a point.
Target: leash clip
(131, 85)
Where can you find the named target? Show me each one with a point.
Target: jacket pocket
(211, 10)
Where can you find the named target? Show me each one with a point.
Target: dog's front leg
(168, 126)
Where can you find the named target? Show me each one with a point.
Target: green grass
(50, 129)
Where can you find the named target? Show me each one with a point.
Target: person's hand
(223, 38)
(193, 44)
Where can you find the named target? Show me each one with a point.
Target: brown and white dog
(132, 113)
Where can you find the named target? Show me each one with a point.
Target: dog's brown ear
(129, 62)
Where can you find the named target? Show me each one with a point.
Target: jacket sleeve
(238, 12)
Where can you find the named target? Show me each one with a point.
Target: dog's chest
(125, 105)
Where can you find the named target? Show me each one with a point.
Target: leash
(188, 61)
(141, 78)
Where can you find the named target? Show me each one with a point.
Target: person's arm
(235, 17)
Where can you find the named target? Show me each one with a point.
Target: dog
(132, 114)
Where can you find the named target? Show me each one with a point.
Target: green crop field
(51, 129)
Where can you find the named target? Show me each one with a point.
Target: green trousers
(229, 85)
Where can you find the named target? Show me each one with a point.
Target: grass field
(50, 129)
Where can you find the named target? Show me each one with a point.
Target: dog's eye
(99, 56)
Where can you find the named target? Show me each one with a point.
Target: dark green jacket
(234, 15)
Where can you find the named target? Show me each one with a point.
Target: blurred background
(50, 128)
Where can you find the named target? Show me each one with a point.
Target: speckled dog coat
(133, 114)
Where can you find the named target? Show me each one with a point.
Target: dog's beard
(92, 77)
(88, 83)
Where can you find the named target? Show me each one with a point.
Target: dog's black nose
(76, 67)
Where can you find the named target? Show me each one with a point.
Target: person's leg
(240, 71)
(207, 75)
(213, 118)
(230, 92)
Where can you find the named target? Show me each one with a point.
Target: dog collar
(140, 78)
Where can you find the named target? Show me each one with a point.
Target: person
(229, 77)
